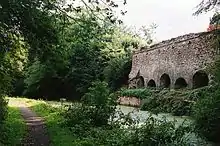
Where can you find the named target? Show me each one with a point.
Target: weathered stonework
(129, 101)
(179, 58)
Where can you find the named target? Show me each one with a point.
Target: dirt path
(37, 132)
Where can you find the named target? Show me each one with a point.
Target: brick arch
(165, 81)
(151, 83)
(200, 79)
(140, 82)
(180, 83)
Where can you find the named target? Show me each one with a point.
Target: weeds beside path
(14, 128)
(37, 134)
(50, 112)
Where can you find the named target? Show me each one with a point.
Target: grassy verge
(14, 128)
(59, 135)
(51, 112)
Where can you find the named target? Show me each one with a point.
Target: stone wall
(179, 57)
(129, 101)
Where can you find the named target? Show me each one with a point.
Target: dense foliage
(51, 50)
(99, 125)
(14, 128)
(178, 103)
(143, 93)
(61, 39)
(3, 110)
(206, 113)
(86, 55)
(97, 105)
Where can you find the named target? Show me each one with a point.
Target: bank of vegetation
(50, 50)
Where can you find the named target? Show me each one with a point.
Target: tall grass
(139, 93)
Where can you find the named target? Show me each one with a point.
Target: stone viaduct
(176, 63)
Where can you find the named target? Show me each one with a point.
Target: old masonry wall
(174, 63)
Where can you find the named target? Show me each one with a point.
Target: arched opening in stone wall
(151, 83)
(140, 82)
(200, 79)
(165, 81)
(180, 83)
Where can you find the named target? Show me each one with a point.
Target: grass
(50, 112)
(14, 128)
(139, 93)
(59, 135)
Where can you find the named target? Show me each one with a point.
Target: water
(136, 113)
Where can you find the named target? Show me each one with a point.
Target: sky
(173, 17)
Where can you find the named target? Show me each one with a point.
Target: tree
(126, 41)
(68, 45)
(207, 5)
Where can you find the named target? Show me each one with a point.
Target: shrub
(94, 122)
(206, 114)
(152, 132)
(176, 106)
(3, 114)
(178, 103)
(3, 109)
(159, 132)
(139, 93)
(14, 128)
(97, 107)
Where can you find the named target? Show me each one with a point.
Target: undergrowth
(206, 115)
(141, 93)
(3, 110)
(177, 102)
(59, 134)
(120, 131)
(14, 128)
(81, 125)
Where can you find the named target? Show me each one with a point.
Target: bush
(3, 114)
(176, 106)
(139, 93)
(152, 132)
(159, 132)
(14, 128)
(178, 103)
(94, 122)
(97, 107)
(206, 114)
(3, 109)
